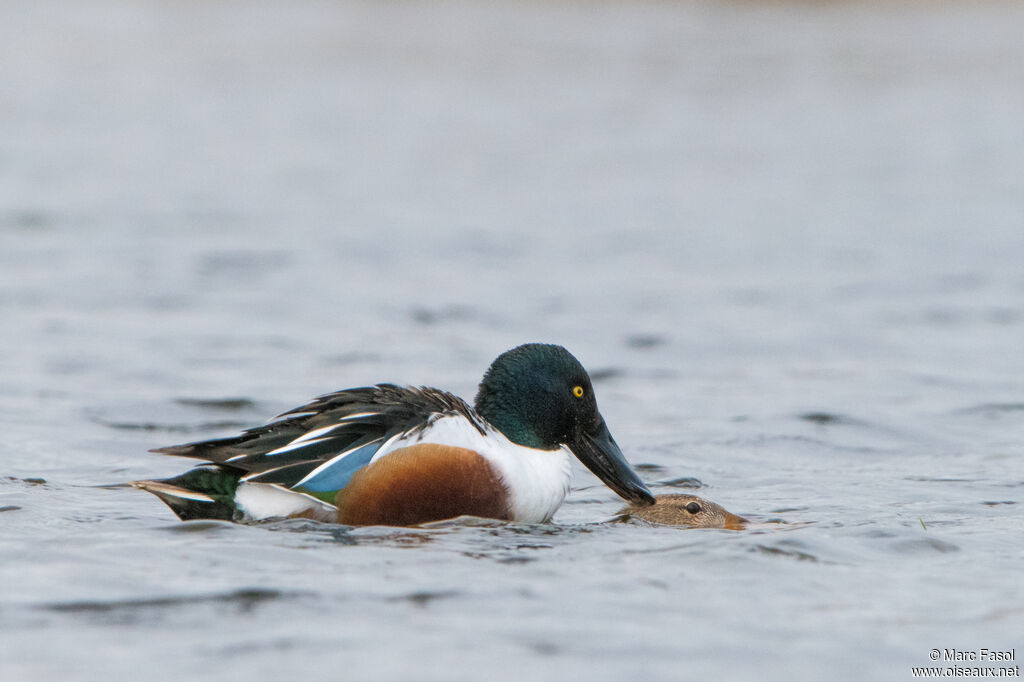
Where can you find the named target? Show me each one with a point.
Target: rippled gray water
(787, 239)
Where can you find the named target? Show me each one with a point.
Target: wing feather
(319, 445)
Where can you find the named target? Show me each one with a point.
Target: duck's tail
(202, 493)
(214, 492)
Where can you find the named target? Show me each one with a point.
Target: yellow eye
(578, 391)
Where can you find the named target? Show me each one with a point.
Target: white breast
(537, 480)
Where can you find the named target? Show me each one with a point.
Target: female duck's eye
(577, 391)
(693, 508)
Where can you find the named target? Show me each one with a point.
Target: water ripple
(225, 425)
(242, 600)
(230, 404)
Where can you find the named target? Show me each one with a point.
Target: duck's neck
(511, 423)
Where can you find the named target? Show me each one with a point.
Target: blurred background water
(786, 239)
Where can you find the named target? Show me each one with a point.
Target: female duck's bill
(686, 510)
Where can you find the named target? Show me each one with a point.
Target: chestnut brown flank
(420, 483)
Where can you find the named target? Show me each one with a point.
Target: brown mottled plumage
(686, 510)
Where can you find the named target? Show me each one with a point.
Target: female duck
(685, 510)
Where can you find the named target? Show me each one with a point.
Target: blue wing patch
(336, 472)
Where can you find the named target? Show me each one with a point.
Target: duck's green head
(540, 396)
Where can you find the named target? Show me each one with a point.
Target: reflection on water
(785, 238)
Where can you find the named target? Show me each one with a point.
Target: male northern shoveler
(391, 455)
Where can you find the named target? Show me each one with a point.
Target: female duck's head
(540, 396)
(686, 510)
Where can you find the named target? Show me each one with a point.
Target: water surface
(786, 239)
